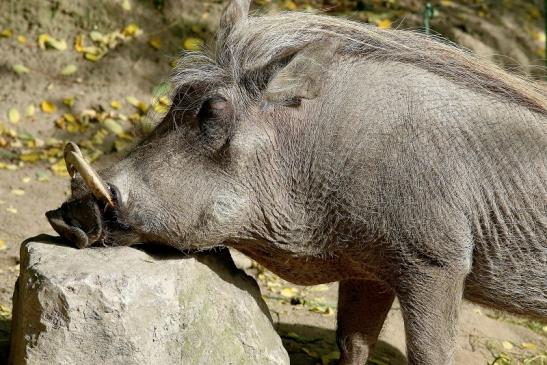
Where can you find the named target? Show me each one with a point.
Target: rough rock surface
(122, 305)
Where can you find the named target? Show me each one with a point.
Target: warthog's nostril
(78, 221)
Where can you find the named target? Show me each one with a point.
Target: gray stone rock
(121, 305)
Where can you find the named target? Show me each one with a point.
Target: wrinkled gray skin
(398, 174)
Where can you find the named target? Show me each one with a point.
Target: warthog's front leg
(362, 309)
(430, 302)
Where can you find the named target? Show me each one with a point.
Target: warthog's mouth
(82, 221)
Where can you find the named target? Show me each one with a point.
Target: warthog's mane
(258, 41)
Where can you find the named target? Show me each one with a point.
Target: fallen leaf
(326, 359)
(11, 210)
(96, 36)
(45, 41)
(529, 346)
(113, 126)
(14, 116)
(154, 42)
(79, 43)
(47, 107)
(69, 70)
(25, 180)
(289, 292)
(131, 30)
(116, 104)
(6, 33)
(132, 100)
(20, 69)
(18, 192)
(42, 176)
(507, 345)
(59, 168)
(310, 353)
(69, 101)
(22, 39)
(290, 5)
(30, 110)
(320, 287)
(5, 311)
(192, 44)
(3, 245)
(384, 24)
(126, 5)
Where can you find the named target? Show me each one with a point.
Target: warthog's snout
(82, 220)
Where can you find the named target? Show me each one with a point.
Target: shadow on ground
(5, 325)
(308, 345)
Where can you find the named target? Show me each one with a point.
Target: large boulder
(121, 305)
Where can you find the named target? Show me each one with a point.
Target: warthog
(329, 150)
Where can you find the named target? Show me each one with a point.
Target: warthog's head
(216, 168)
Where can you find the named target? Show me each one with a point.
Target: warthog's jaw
(83, 221)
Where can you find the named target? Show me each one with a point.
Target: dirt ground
(131, 69)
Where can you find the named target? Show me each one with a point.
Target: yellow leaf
(289, 292)
(143, 107)
(290, 5)
(113, 126)
(154, 43)
(25, 180)
(116, 104)
(160, 108)
(544, 329)
(69, 101)
(529, 346)
(126, 5)
(93, 57)
(507, 345)
(320, 287)
(6, 33)
(11, 210)
(29, 111)
(45, 40)
(22, 39)
(69, 117)
(132, 100)
(42, 39)
(132, 30)
(192, 44)
(59, 168)
(69, 70)
(14, 116)
(20, 69)
(3, 245)
(47, 107)
(30, 156)
(97, 36)
(18, 192)
(79, 43)
(384, 24)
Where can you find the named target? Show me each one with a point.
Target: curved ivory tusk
(75, 162)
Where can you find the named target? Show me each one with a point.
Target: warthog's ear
(235, 11)
(302, 77)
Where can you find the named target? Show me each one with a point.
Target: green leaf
(20, 69)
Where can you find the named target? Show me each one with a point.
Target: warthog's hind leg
(430, 302)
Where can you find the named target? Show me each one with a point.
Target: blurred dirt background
(96, 72)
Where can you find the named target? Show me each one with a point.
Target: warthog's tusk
(75, 162)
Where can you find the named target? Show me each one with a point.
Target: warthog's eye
(214, 119)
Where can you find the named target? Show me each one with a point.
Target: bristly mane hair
(260, 40)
